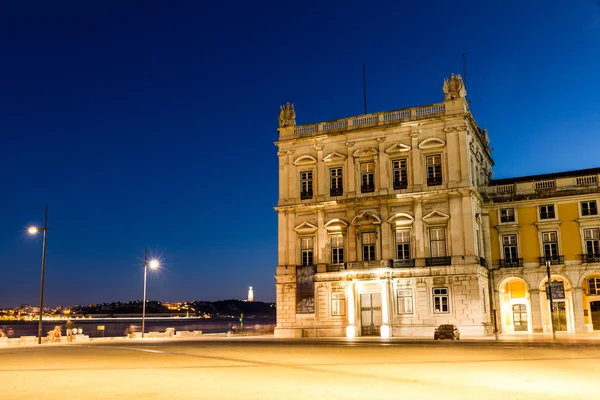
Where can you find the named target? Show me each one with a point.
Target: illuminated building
(250, 294)
(380, 222)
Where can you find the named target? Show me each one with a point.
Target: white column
(386, 329)
(578, 309)
(536, 311)
(351, 328)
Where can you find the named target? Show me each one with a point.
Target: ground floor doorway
(370, 314)
(595, 313)
(559, 317)
(520, 317)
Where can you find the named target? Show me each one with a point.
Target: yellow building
(540, 225)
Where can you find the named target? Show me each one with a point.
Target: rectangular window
(306, 245)
(367, 177)
(440, 300)
(434, 170)
(594, 286)
(507, 215)
(509, 248)
(589, 208)
(338, 303)
(437, 239)
(403, 245)
(592, 242)
(547, 212)
(337, 249)
(336, 178)
(550, 242)
(368, 246)
(405, 301)
(399, 173)
(306, 185)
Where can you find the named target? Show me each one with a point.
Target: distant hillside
(212, 309)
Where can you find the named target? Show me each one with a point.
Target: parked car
(446, 331)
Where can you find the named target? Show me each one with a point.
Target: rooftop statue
(287, 116)
(454, 88)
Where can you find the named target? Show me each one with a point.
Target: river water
(117, 326)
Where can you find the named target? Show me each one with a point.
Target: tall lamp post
(33, 230)
(147, 264)
(549, 292)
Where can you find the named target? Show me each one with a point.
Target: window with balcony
(507, 215)
(550, 245)
(306, 251)
(338, 303)
(368, 245)
(589, 208)
(437, 237)
(306, 185)
(547, 212)
(434, 170)
(440, 300)
(405, 301)
(592, 245)
(594, 286)
(510, 252)
(337, 249)
(367, 177)
(336, 187)
(399, 173)
(403, 245)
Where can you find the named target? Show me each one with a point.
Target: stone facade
(380, 228)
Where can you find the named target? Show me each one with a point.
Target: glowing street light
(33, 230)
(153, 264)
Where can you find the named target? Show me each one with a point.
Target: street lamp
(33, 230)
(549, 293)
(147, 264)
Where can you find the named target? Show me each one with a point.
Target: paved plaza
(267, 368)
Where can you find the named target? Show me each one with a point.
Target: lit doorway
(370, 314)
(519, 312)
(595, 311)
(559, 318)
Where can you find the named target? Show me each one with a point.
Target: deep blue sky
(151, 123)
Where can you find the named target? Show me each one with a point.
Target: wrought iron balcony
(511, 262)
(369, 188)
(306, 195)
(336, 191)
(554, 260)
(400, 184)
(590, 258)
(403, 263)
(438, 261)
(434, 180)
(336, 267)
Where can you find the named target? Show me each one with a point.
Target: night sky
(149, 123)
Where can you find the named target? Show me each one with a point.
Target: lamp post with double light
(33, 230)
(147, 264)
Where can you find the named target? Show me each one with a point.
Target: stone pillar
(419, 232)
(351, 328)
(322, 178)
(487, 243)
(283, 176)
(418, 177)
(292, 174)
(536, 311)
(385, 234)
(386, 328)
(321, 242)
(577, 299)
(351, 242)
(384, 178)
(350, 169)
(452, 158)
(455, 232)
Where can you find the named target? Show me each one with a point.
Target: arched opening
(515, 307)
(562, 305)
(591, 301)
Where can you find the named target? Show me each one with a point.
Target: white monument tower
(250, 294)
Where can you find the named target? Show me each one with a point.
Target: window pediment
(336, 225)
(334, 157)
(305, 228)
(305, 160)
(548, 224)
(587, 222)
(398, 148)
(369, 152)
(436, 218)
(432, 143)
(401, 220)
(366, 218)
